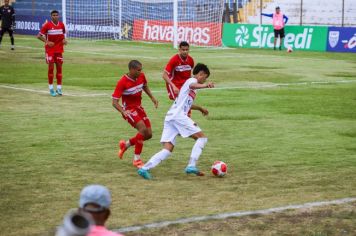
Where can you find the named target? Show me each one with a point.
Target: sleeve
(170, 66)
(269, 15)
(13, 16)
(191, 81)
(44, 30)
(285, 18)
(119, 89)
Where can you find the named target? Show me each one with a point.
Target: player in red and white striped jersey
(53, 35)
(178, 70)
(129, 89)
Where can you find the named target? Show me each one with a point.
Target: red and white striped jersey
(130, 90)
(54, 33)
(179, 69)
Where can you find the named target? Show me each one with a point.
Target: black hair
(183, 44)
(133, 64)
(54, 11)
(201, 67)
(278, 8)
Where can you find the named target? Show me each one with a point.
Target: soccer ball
(219, 168)
(289, 49)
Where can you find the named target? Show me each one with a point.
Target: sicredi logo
(262, 36)
(242, 36)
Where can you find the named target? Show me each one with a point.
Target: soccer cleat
(12, 47)
(59, 92)
(144, 173)
(52, 93)
(193, 170)
(123, 148)
(138, 163)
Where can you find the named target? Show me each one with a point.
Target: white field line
(117, 54)
(235, 214)
(164, 91)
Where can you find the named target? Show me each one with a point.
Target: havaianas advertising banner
(262, 36)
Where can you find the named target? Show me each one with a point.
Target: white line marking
(234, 214)
(256, 86)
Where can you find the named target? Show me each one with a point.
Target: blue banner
(29, 25)
(341, 39)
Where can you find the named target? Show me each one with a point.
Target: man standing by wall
(7, 17)
(279, 20)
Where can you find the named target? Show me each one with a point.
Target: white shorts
(185, 127)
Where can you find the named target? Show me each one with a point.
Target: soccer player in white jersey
(177, 123)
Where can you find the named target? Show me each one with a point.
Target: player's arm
(12, 18)
(149, 93)
(119, 89)
(268, 15)
(65, 37)
(201, 86)
(285, 19)
(166, 75)
(41, 36)
(204, 111)
(117, 106)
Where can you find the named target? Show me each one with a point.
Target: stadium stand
(314, 12)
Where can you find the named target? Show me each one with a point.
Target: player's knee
(147, 134)
(202, 142)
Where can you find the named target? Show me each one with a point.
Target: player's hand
(64, 42)
(204, 111)
(210, 85)
(50, 44)
(175, 89)
(126, 113)
(155, 102)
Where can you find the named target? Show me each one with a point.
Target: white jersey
(183, 102)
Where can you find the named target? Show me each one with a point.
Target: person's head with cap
(96, 200)
(278, 9)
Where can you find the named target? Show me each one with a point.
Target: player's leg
(200, 142)
(59, 63)
(188, 128)
(275, 39)
(168, 140)
(50, 62)
(281, 35)
(11, 34)
(2, 31)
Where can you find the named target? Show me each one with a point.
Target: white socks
(197, 150)
(156, 159)
(59, 86)
(137, 157)
(50, 86)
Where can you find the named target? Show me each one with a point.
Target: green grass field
(284, 123)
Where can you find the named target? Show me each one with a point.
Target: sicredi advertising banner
(262, 36)
(199, 33)
(342, 39)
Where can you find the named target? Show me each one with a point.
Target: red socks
(138, 142)
(50, 73)
(59, 73)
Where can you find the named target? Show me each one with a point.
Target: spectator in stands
(96, 200)
(7, 19)
(279, 20)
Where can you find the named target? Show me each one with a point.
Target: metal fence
(299, 12)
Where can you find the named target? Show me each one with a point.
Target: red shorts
(137, 114)
(52, 57)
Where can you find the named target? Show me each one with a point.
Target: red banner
(198, 33)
